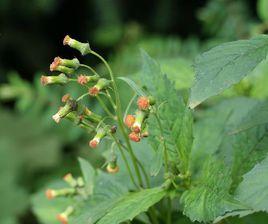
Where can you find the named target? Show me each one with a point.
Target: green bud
(49, 80)
(84, 48)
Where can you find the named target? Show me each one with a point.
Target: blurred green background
(34, 150)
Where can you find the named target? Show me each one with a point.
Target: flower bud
(113, 129)
(140, 116)
(64, 216)
(112, 168)
(101, 133)
(129, 120)
(101, 84)
(84, 79)
(144, 102)
(50, 194)
(70, 106)
(134, 137)
(80, 182)
(84, 48)
(62, 69)
(48, 80)
(68, 178)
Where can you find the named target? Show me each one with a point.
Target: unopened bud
(68, 178)
(65, 98)
(101, 133)
(113, 129)
(64, 216)
(70, 106)
(71, 63)
(49, 80)
(80, 182)
(84, 79)
(134, 137)
(84, 48)
(129, 120)
(101, 84)
(50, 194)
(140, 116)
(112, 168)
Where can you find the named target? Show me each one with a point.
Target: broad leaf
(253, 190)
(174, 117)
(89, 174)
(210, 198)
(131, 205)
(225, 65)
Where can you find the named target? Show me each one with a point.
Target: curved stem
(120, 117)
(105, 107)
(91, 69)
(129, 105)
(82, 96)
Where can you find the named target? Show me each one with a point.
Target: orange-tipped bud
(134, 137)
(66, 40)
(136, 128)
(44, 80)
(112, 169)
(50, 194)
(143, 103)
(94, 143)
(65, 98)
(62, 218)
(54, 65)
(49, 80)
(129, 120)
(94, 91)
(82, 79)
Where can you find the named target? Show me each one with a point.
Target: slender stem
(110, 98)
(105, 107)
(169, 212)
(120, 117)
(129, 105)
(125, 160)
(164, 142)
(82, 96)
(91, 69)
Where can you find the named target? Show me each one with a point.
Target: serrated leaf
(174, 116)
(88, 173)
(225, 65)
(131, 205)
(253, 190)
(210, 198)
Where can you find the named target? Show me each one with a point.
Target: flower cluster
(138, 123)
(76, 187)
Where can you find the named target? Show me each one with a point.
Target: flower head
(134, 137)
(71, 105)
(65, 98)
(49, 80)
(101, 84)
(64, 216)
(101, 133)
(84, 48)
(129, 120)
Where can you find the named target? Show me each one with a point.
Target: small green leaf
(131, 205)
(225, 65)
(88, 173)
(210, 198)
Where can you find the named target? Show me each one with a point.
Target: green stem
(125, 160)
(120, 117)
(169, 212)
(105, 107)
(91, 69)
(164, 142)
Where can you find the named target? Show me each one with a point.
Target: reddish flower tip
(129, 120)
(55, 64)
(65, 98)
(112, 170)
(82, 79)
(94, 91)
(67, 176)
(134, 137)
(44, 80)
(66, 40)
(50, 194)
(143, 103)
(62, 218)
(93, 143)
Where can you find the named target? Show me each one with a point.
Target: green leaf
(210, 197)
(157, 161)
(253, 190)
(225, 65)
(262, 7)
(131, 205)
(174, 117)
(88, 173)
(133, 85)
